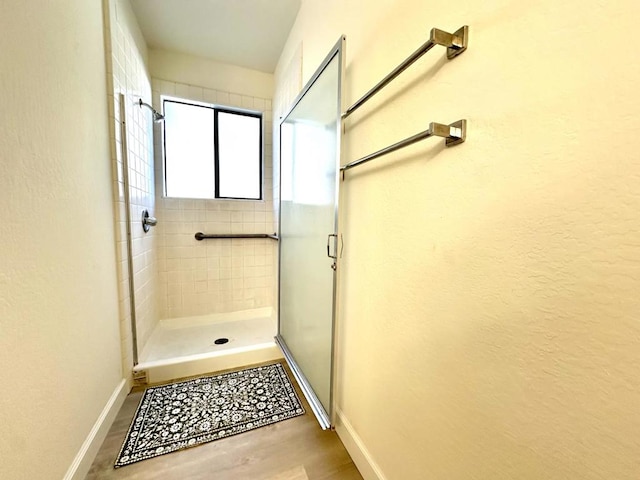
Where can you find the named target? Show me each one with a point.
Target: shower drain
(221, 341)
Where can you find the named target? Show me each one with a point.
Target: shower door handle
(335, 249)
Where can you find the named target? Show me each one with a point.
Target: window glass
(239, 138)
(202, 142)
(189, 151)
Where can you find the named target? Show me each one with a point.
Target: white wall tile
(215, 276)
(127, 75)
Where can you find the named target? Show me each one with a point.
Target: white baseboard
(368, 468)
(82, 463)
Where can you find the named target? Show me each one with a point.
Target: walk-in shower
(183, 347)
(198, 304)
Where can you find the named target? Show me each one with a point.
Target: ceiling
(247, 33)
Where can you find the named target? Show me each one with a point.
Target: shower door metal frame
(127, 203)
(326, 419)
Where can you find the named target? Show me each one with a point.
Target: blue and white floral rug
(186, 414)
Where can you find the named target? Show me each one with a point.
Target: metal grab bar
(202, 236)
(456, 43)
(454, 134)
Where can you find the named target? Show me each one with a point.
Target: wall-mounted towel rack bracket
(456, 42)
(454, 133)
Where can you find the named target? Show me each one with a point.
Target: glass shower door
(309, 163)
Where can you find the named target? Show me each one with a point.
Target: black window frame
(216, 140)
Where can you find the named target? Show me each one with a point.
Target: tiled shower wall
(214, 276)
(127, 74)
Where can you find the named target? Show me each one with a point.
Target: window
(211, 152)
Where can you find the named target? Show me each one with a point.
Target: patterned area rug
(186, 414)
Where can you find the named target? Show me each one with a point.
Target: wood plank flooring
(294, 449)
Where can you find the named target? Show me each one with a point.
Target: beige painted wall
(204, 73)
(489, 292)
(59, 342)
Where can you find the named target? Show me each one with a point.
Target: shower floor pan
(183, 347)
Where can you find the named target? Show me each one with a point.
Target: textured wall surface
(59, 342)
(488, 322)
(205, 73)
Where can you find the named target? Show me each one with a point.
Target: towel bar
(456, 43)
(454, 134)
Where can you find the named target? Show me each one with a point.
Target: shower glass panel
(309, 163)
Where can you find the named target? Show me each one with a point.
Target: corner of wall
(206, 73)
(87, 453)
(367, 466)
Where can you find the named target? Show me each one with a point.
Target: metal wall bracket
(454, 133)
(456, 42)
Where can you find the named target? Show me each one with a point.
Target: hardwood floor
(294, 449)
